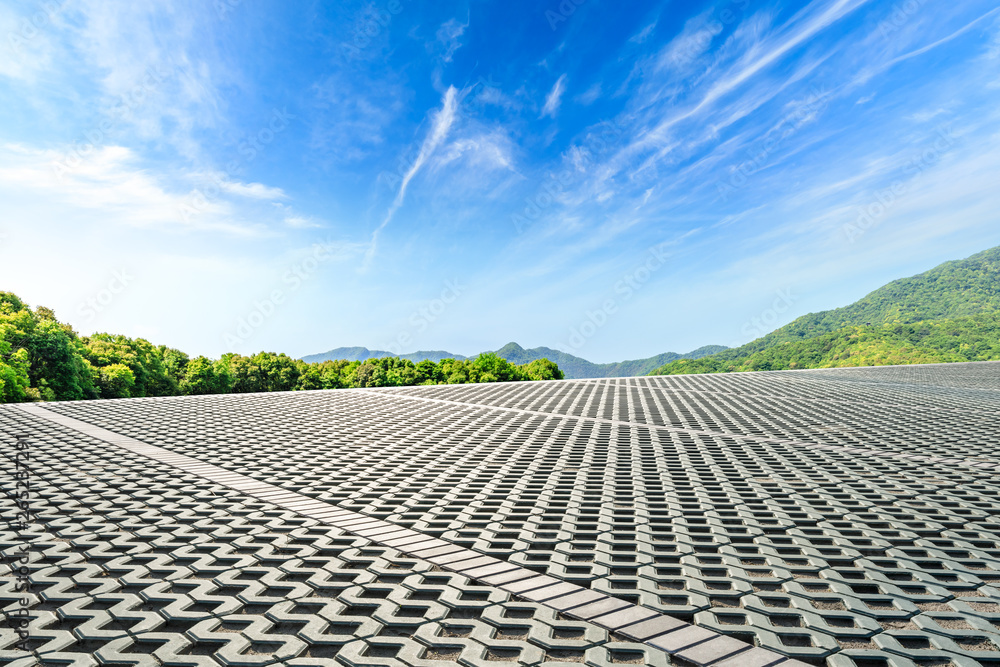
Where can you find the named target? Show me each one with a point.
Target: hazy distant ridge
(574, 367)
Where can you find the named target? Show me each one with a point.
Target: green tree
(492, 368)
(175, 364)
(14, 366)
(541, 369)
(55, 367)
(43, 359)
(427, 372)
(264, 371)
(116, 381)
(200, 377)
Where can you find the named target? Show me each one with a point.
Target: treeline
(42, 359)
(931, 341)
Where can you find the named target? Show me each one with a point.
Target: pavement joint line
(674, 429)
(461, 561)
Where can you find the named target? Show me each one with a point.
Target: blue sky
(614, 180)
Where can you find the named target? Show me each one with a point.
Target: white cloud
(443, 120)
(298, 222)
(112, 181)
(253, 190)
(591, 95)
(449, 35)
(26, 41)
(294, 220)
(554, 98)
(691, 44)
(351, 118)
(490, 151)
(643, 34)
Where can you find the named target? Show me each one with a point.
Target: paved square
(845, 517)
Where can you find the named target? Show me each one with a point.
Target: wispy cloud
(449, 36)
(444, 118)
(114, 182)
(554, 98)
(643, 34)
(590, 95)
(247, 190)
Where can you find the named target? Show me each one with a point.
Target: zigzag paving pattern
(843, 517)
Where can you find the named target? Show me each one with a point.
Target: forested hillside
(573, 367)
(931, 341)
(946, 314)
(42, 359)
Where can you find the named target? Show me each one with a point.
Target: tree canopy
(42, 359)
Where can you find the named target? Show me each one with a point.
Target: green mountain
(945, 314)
(577, 368)
(363, 354)
(573, 367)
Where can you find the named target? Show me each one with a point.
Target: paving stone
(648, 629)
(755, 657)
(714, 650)
(626, 617)
(530, 584)
(549, 593)
(598, 608)
(826, 515)
(491, 569)
(510, 576)
(574, 600)
(682, 639)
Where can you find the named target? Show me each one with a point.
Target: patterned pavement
(844, 517)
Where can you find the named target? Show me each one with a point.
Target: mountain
(945, 314)
(576, 368)
(362, 353)
(573, 367)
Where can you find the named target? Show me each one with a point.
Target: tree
(55, 367)
(427, 372)
(116, 381)
(264, 371)
(14, 365)
(43, 359)
(541, 369)
(174, 363)
(200, 377)
(492, 368)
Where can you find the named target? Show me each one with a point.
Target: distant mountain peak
(574, 367)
